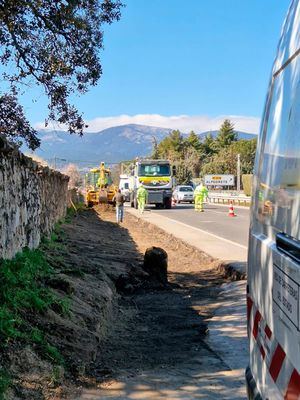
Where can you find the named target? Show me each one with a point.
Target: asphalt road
(214, 220)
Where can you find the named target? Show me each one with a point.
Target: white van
(273, 304)
(124, 186)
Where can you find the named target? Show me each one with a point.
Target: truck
(124, 186)
(158, 177)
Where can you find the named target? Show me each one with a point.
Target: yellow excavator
(99, 187)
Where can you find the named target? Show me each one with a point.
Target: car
(183, 193)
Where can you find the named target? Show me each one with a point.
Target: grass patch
(22, 290)
(24, 295)
(5, 382)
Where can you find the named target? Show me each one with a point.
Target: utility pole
(238, 183)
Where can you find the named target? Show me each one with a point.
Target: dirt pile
(96, 260)
(122, 317)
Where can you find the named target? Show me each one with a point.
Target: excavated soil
(120, 321)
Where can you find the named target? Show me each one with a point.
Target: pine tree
(193, 141)
(226, 135)
(208, 145)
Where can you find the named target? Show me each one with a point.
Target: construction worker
(200, 194)
(142, 198)
(119, 199)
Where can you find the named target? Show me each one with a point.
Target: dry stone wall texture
(32, 199)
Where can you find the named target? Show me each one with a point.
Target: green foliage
(171, 147)
(5, 382)
(55, 45)
(247, 184)
(53, 354)
(208, 146)
(183, 174)
(193, 157)
(225, 161)
(226, 135)
(23, 290)
(184, 153)
(155, 152)
(193, 141)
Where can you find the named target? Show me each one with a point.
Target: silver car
(183, 193)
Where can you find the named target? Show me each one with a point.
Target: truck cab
(157, 177)
(124, 186)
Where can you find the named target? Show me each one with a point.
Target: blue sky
(184, 63)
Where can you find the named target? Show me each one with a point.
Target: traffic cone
(231, 211)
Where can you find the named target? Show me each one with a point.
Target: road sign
(219, 180)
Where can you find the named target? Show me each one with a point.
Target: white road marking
(207, 233)
(224, 213)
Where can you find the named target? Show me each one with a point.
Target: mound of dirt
(118, 320)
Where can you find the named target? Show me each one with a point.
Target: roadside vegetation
(25, 295)
(194, 157)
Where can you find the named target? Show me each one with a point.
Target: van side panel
(274, 274)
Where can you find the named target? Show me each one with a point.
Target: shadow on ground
(157, 346)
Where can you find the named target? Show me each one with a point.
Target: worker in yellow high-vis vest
(200, 194)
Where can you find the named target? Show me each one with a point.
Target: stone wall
(32, 199)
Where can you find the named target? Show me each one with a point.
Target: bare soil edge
(232, 270)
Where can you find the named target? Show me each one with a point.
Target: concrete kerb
(235, 271)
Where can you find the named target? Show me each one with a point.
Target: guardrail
(226, 199)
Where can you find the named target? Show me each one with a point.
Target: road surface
(213, 231)
(214, 220)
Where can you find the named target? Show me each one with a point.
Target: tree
(193, 141)
(75, 178)
(155, 151)
(183, 173)
(54, 44)
(226, 135)
(208, 145)
(192, 161)
(171, 147)
(225, 161)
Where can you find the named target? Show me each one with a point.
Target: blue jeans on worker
(119, 213)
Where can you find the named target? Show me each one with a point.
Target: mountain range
(110, 145)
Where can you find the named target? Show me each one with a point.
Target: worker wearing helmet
(142, 198)
(200, 194)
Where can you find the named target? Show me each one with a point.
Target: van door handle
(288, 245)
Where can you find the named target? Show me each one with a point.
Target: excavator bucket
(103, 196)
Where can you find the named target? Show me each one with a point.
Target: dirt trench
(121, 323)
(157, 328)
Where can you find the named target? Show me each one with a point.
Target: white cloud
(184, 123)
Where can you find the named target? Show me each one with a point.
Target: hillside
(110, 145)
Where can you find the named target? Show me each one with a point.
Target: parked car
(183, 193)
